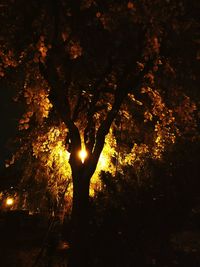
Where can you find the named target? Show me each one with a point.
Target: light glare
(9, 201)
(103, 161)
(83, 155)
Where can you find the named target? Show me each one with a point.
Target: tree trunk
(80, 221)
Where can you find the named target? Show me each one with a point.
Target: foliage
(135, 216)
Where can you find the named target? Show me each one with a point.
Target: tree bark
(80, 219)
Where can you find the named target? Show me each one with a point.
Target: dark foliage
(131, 225)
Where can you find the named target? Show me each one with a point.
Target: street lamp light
(9, 201)
(82, 155)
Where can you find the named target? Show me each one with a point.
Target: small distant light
(83, 155)
(9, 201)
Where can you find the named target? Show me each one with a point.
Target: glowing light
(9, 201)
(83, 155)
(103, 161)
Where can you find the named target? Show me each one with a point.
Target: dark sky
(9, 115)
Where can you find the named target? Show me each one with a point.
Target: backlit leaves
(7, 59)
(165, 131)
(106, 162)
(41, 50)
(75, 50)
(36, 97)
(49, 149)
(187, 118)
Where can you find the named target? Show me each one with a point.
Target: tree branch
(89, 132)
(60, 103)
(128, 85)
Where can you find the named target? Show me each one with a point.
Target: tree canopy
(82, 66)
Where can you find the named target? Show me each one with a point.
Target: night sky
(9, 115)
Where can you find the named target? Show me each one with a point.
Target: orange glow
(83, 155)
(9, 201)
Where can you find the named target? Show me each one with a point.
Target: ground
(23, 237)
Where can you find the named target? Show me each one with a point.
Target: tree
(92, 65)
